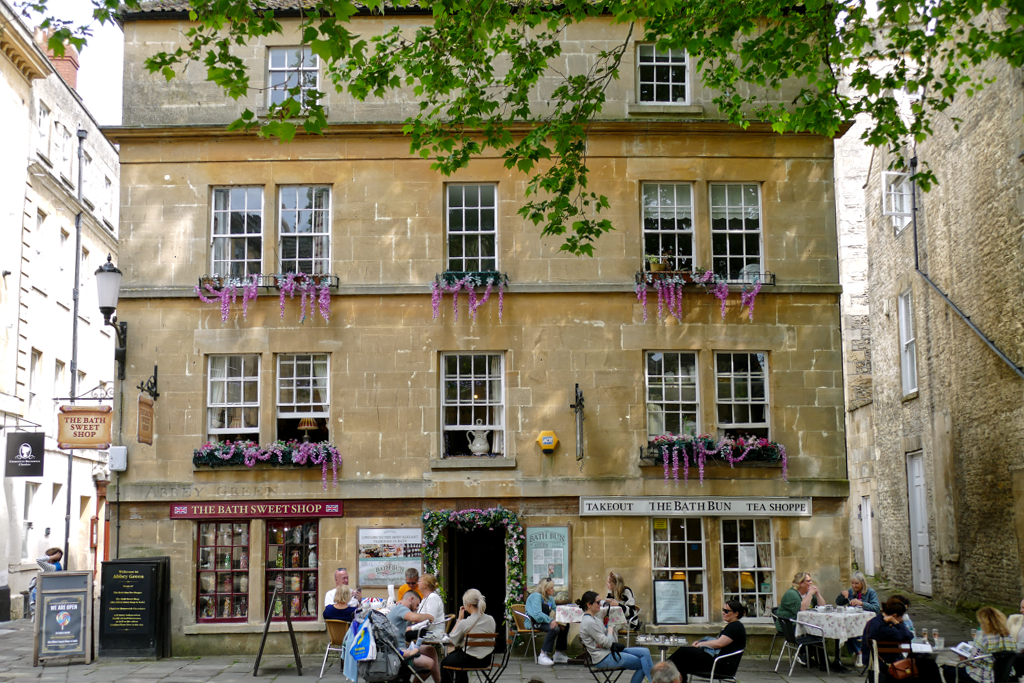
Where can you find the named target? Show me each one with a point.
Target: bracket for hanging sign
(577, 408)
(149, 386)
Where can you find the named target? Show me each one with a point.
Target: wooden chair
(336, 632)
(722, 662)
(519, 612)
(611, 675)
(491, 672)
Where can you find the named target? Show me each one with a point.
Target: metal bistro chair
(603, 675)
(628, 631)
(775, 636)
(519, 612)
(726, 665)
(336, 632)
(1002, 665)
(795, 644)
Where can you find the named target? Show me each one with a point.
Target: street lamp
(108, 288)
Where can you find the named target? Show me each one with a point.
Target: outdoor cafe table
(572, 614)
(840, 625)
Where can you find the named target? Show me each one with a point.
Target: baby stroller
(389, 655)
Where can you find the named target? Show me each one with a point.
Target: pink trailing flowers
(227, 295)
(452, 283)
(669, 287)
(696, 450)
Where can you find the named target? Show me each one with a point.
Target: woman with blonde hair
(473, 618)
(540, 610)
(433, 606)
(621, 595)
(991, 638)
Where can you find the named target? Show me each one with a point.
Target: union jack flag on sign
(181, 509)
(331, 508)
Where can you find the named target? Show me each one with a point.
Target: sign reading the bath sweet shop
(292, 508)
(84, 428)
(696, 506)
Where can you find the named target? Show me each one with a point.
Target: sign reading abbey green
(696, 506)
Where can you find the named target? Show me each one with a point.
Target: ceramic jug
(478, 440)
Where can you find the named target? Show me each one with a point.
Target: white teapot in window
(478, 440)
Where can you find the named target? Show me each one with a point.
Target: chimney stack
(66, 66)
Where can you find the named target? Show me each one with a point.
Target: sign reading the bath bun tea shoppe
(695, 506)
(292, 508)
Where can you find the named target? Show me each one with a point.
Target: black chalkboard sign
(133, 609)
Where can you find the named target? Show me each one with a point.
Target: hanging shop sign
(547, 554)
(693, 506)
(25, 452)
(385, 555)
(146, 417)
(84, 428)
(258, 510)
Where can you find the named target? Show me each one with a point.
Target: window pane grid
(237, 231)
(303, 385)
(736, 230)
(305, 229)
(741, 381)
(472, 228)
(748, 565)
(668, 223)
(223, 580)
(292, 557)
(293, 67)
(232, 403)
(908, 346)
(661, 76)
(679, 553)
(672, 400)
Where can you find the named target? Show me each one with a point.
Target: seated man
(412, 578)
(402, 616)
(341, 579)
(665, 672)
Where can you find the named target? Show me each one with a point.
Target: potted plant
(655, 263)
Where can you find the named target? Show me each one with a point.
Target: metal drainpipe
(917, 267)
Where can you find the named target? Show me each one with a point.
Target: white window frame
(897, 198)
(662, 202)
(321, 264)
(220, 230)
(656, 406)
(35, 380)
(460, 429)
(43, 128)
(226, 404)
(647, 57)
(295, 408)
(59, 382)
(908, 342)
(66, 152)
(108, 199)
(758, 591)
(749, 401)
(464, 236)
(309, 64)
(667, 566)
(747, 273)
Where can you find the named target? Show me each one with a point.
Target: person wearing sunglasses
(598, 639)
(732, 638)
(412, 580)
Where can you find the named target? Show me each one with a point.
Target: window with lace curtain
(748, 565)
(679, 555)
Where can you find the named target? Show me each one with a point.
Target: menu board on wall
(547, 555)
(385, 554)
(670, 605)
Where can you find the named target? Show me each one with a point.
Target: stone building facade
(946, 410)
(400, 393)
(38, 205)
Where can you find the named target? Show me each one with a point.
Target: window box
(671, 451)
(454, 281)
(278, 454)
(669, 285)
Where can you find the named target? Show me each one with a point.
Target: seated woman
(473, 618)
(859, 594)
(889, 627)
(340, 609)
(732, 638)
(540, 607)
(993, 637)
(598, 639)
(621, 595)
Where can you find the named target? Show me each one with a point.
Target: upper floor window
(303, 391)
(908, 345)
(897, 195)
(233, 398)
(43, 128)
(237, 231)
(473, 404)
(294, 71)
(668, 226)
(306, 230)
(66, 151)
(742, 394)
(672, 401)
(472, 227)
(661, 76)
(108, 198)
(736, 231)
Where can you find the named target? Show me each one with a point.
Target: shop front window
(223, 571)
(292, 551)
(678, 544)
(748, 565)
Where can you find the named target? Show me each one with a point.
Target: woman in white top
(472, 619)
(433, 606)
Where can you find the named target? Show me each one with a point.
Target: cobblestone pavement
(16, 662)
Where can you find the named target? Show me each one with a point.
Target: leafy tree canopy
(472, 69)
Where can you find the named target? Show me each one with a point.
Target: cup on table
(940, 643)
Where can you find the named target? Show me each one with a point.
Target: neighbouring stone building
(39, 201)
(445, 414)
(944, 462)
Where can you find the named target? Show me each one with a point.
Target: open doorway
(476, 559)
